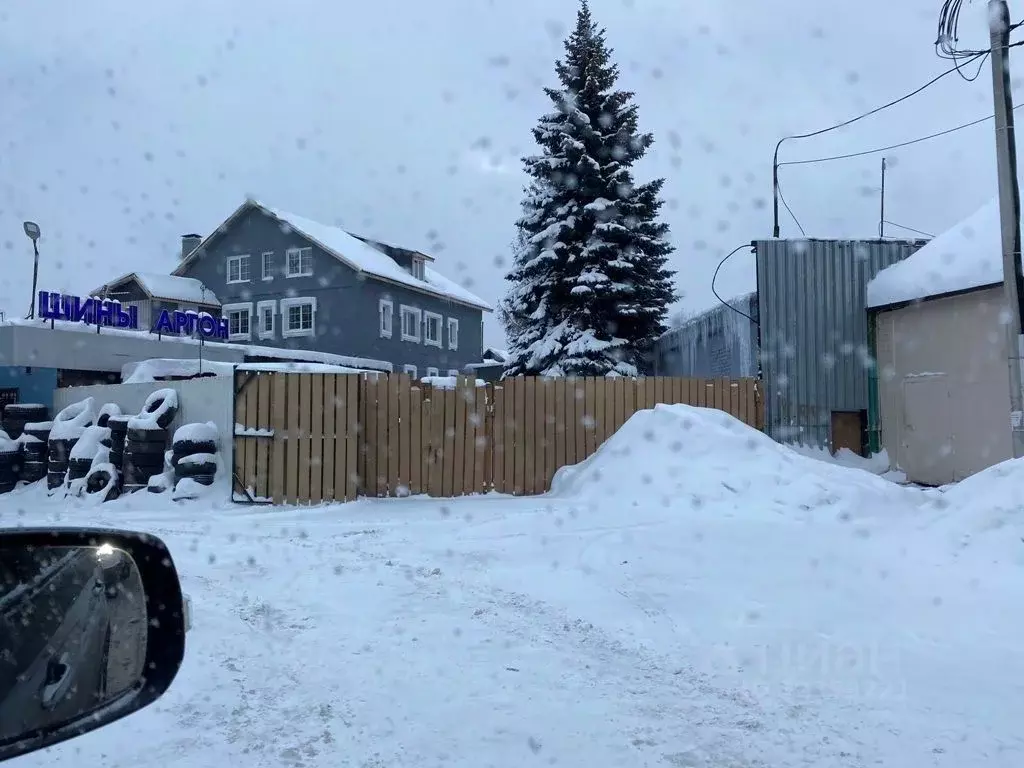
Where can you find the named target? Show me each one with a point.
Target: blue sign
(109, 312)
(209, 327)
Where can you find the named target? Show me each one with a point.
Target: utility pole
(1009, 212)
(881, 213)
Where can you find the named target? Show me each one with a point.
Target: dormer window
(417, 267)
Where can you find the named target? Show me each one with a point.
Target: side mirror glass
(92, 628)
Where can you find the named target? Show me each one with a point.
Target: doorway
(848, 431)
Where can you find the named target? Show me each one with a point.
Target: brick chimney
(189, 243)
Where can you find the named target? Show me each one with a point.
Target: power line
(909, 229)
(715, 276)
(790, 211)
(892, 146)
(852, 120)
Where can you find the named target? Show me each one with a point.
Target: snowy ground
(692, 596)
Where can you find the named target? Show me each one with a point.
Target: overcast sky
(124, 125)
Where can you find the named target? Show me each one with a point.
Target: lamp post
(32, 231)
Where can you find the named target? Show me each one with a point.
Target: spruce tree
(589, 284)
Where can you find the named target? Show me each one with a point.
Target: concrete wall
(199, 400)
(81, 348)
(347, 305)
(943, 386)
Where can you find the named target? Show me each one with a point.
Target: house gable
(371, 259)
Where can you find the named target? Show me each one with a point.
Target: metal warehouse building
(816, 355)
(718, 343)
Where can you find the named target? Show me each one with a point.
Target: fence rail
(309, 438)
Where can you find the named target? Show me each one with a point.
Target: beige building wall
(943, 386)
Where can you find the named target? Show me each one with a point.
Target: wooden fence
(308, 438)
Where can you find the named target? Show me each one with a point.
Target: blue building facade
(20, 384)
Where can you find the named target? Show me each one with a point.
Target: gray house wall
(813, 330)
(347, 303)
(719, 343)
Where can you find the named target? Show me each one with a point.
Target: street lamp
(32, 231)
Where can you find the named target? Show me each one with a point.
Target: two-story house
(282, 280)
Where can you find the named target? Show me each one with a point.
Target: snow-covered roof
(359, 255)
(493, 353)
(170, 287)
(967, 256)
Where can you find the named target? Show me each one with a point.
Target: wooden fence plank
(292, 437)
(458, 427)
(368, 410)
(481, 471)
(278, 419)
(589, 418)
(448, 457)
(316, 438)
(347, 423)
(332, 441)
(467, 394)
(263, 445)
(415, 440)
(550, 442)
(498, 437)
(394, 415)
(383, 435)
(529, 436)
(403, 434)
(558, 385)
(248, 452)
(305, 409)
(574, 394)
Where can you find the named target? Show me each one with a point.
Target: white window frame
(416, 312)
(241, 258)
(431, 371)
(453, 338)
(262, 332)
(419, 268)
(227, 309)
(268, 274)
(286, 306)
(410, 370)
(452, 372)
(288, 262)
(386, 309)
(427, 317)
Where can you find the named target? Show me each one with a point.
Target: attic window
(417, 268)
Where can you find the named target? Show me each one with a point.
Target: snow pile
(447, 382)
(106, 411)
(155, 411)
(146, 371)
(90, 443)
(197, 433)
(72, 421)
(967, 256)
(681, 454)
(6, 444)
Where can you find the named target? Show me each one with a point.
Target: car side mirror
(92, 628)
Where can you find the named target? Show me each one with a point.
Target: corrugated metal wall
(813, 336)
(718, 343)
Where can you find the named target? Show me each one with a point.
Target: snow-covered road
(694, 595)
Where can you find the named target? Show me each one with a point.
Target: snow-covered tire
(137, 435)
(33, 471)
(102, 483)
(78, 468)
(186, 469)
(162, 405)
(192, 447)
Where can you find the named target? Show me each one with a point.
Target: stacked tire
(194, 456)
(143, 455)
(58, 459)
(34, 440)
(10, 467)
(17, 415)
(118, 426)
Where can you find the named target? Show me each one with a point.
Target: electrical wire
(715, 276)
(789, 210)
(909, 229)
(893, 146)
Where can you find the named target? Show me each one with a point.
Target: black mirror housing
(92, 630)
